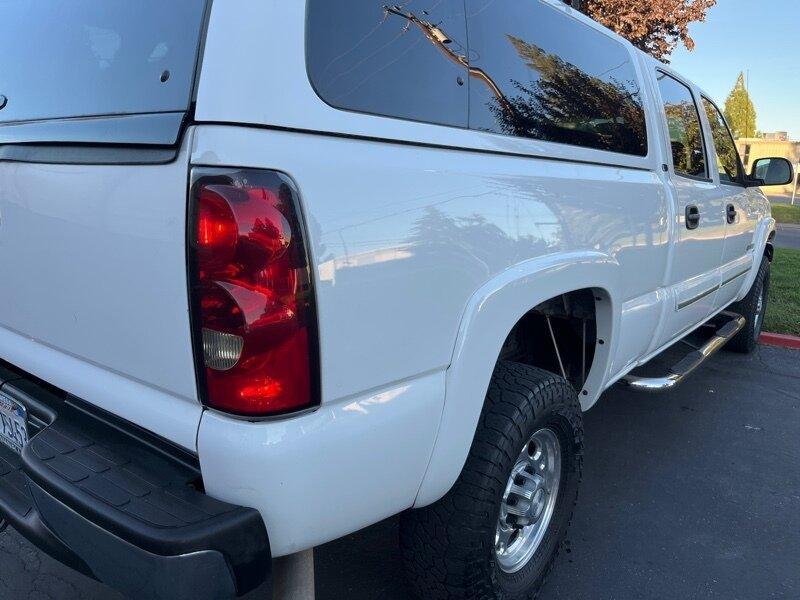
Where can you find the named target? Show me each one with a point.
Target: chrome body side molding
(699, 297)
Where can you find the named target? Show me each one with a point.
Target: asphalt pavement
(692, 494)
(787, 236)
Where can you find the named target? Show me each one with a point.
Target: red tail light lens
(252, 302)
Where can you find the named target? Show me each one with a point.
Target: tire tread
(441, 552)
(745, 341)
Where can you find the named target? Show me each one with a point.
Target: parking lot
(691, 494)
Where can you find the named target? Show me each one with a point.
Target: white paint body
(428, 244)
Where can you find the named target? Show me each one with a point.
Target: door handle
(692, 217)
(730, 213)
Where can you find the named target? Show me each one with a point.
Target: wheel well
(558, 335)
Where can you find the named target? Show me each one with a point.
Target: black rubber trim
(155, 129)
(87, 473)
(84, 154)
(18, 509)
(16, 503)
(688, 363)
(133, 571)
(727, 330)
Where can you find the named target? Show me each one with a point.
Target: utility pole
(293, 577)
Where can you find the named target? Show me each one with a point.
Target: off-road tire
(448, 547)
(745, 341)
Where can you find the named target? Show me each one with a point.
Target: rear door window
(97, 57)
(404, 59)
(683, 123)
(539, 73)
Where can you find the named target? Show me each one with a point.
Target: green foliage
(740, 111)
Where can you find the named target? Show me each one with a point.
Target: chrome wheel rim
(529, 501)
(759, 312)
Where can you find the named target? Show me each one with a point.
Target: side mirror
(772, 171)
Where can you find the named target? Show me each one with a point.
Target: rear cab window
(683, 124)
(95, 58)
(406, 60)
(541, 74)
(522, 69)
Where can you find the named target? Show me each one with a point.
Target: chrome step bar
(679, 372)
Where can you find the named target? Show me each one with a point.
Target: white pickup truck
(271, 272)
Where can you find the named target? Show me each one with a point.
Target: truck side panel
(402, 237)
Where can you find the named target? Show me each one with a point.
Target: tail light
(251, 298)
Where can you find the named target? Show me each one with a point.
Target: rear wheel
(753, 308)
(496, 533)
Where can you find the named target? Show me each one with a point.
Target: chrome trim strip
(687, 366)
(697, 298)
(729, 279)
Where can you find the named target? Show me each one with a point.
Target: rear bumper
(122, 506)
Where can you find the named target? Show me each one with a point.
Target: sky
(760, 36)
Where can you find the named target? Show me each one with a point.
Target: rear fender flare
(490, 315)
(760, 248)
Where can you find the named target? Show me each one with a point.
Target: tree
(655, 26)
(739, 110)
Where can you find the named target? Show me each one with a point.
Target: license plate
(13, 423)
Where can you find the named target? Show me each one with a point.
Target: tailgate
(93, 287)
(93, 187)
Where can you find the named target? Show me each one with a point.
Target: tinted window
(685, 132)
(540, 74)
(97, 57)
(401, 61)
(730, 169)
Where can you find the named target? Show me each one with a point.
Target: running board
(679, 372)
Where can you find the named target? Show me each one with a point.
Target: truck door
(742, 209)
(699, 226)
